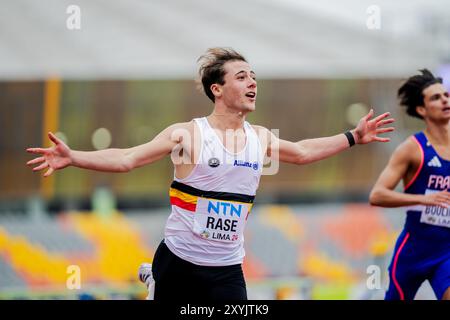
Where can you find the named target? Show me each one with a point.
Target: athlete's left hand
(368, 130)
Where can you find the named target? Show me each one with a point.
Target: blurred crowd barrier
(292, 252)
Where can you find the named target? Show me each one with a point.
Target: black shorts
(180, 280)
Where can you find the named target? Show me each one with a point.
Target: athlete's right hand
(441, 199)
(55, 158)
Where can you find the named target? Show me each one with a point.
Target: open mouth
(446, 108)
(251, 95)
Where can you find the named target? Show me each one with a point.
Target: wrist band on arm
(350, 138)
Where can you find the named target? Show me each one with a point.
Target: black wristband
(350, 138)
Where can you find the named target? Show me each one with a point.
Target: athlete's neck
(226, 120)
(439, 134)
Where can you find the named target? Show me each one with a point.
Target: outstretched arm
(383, 193)
(311, 150)
(59, 156)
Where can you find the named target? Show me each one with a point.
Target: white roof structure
(121, 39)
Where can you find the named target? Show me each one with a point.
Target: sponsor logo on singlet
(240, 163)
(434, 162)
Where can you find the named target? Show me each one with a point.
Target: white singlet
(210, 207)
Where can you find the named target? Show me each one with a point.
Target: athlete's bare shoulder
(189, 125)
(258, 127)
(408, 151)
(188, 135)
(180, 131)
(260, 130)
(264, 135)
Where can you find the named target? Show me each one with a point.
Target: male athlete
(422, 161)
(218, 162)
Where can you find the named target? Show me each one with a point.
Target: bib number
(220, 220)
(435, 215)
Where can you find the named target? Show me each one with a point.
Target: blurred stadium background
(128, 72)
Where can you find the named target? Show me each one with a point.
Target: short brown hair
(211, 68)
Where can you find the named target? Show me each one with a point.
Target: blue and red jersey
(422, 250)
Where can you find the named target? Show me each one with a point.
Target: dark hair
(211, 67)
(411, 92)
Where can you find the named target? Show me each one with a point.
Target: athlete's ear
(421, 111)
(216, 89)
